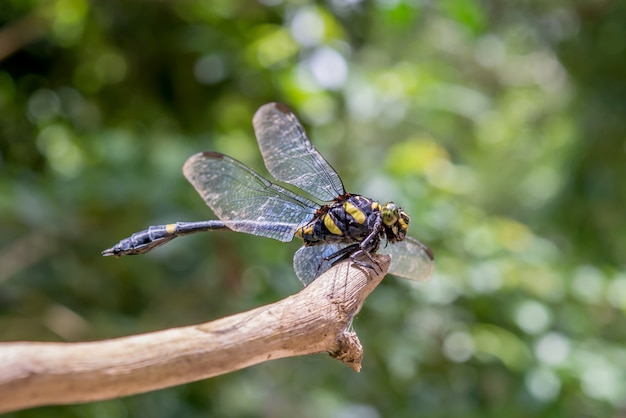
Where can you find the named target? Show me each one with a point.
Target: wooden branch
(314, 320)
(19, 33)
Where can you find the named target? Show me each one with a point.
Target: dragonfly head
(395, 221)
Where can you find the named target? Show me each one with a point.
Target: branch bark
(314, 320)
(18, 34)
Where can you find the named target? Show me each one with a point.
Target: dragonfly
(334, 225)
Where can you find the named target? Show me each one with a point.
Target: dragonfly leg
(372, 264)
(353, 252)
(341, 254)
(368, 246)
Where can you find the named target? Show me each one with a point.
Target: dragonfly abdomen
(155, 236)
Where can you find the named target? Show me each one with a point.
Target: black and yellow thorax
(352, 218)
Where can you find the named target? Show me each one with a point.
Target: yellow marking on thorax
(355, 212)
(376, 206)
(305, 230)
(331, 226)
(170, 228)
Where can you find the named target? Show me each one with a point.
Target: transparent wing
(289, 155)
(245, 201)
(309, 263)
(410, 259)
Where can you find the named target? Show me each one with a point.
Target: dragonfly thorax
(351, 219)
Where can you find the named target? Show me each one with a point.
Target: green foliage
(498, 126)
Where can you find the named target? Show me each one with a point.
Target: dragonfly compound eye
(389, 213)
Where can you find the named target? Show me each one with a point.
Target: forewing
(410, 259)
(245, 201)
(289, 155)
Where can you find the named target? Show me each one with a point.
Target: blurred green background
(499, 126)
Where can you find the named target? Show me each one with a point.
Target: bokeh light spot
(502, 344)
(56, 143)
(43, 106)
(532, 317)
(490, 51)
(588, 284)
(441, 290)
(458, 346)
(513, 235)
(485, 278)
(110, 68)
(363, 100)
(480, 241)
(307, 27)
(616, 291)
(414, 155)
(210, 69)
(68, 22)
(553, 349)
(328, 67)
(273, 47)
(603, 381)
(543, 384)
